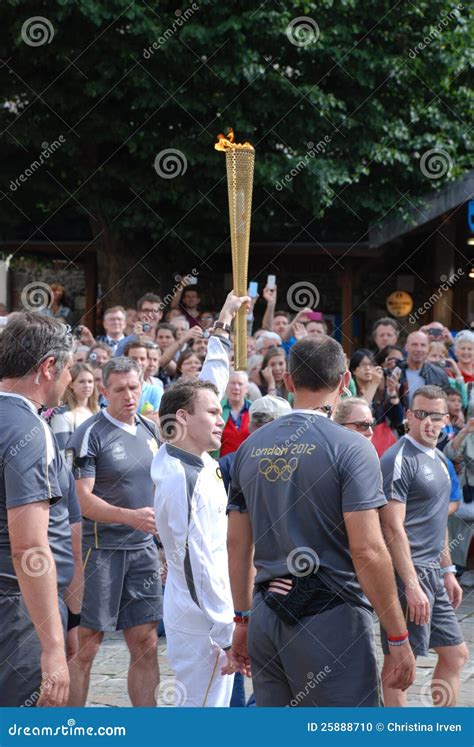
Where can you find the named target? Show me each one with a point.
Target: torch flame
(227, 143)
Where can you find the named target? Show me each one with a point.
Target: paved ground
(109, 674)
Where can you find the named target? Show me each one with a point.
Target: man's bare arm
(240, 551)
(96, 509)
(392, 518)
(31, 554)
(374, 568)
(75, 590)
(377, 579)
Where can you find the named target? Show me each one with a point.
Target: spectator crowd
(130, 443)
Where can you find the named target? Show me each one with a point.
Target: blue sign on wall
(470, 215)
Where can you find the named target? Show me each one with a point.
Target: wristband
(241, 620)
(73, 619)
(397, 640)
(448, 569)
(245, 613)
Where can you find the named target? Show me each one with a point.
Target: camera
(146, 326)
(77, 332)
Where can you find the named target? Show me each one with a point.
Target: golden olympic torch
(240, 159)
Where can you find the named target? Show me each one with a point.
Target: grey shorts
(325, 660)
(122, 588)
(443, 628)
(20, 652)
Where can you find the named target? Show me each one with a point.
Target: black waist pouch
(308, 596)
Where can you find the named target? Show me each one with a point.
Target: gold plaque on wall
(399, 303)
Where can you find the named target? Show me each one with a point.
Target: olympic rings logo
(278, 469)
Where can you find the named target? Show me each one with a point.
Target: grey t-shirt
(413, 476)
(296, 477)
(119, 458)
(32, 470)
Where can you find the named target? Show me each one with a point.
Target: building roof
(432, 206)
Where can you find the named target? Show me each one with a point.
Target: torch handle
(240, 340)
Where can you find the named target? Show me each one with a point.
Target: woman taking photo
(271, 373)
(81, 402)
(377, 381)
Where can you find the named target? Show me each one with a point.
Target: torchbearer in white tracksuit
(190, 512)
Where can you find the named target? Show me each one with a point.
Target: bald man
(418, 372)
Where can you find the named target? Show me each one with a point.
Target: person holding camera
(438, 353)
(150, 314)
(379, 385)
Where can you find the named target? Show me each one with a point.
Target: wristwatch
(221, 325)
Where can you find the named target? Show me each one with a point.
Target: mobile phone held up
(271, 281)
(253, 289)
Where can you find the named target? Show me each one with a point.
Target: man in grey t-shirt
(36, 563)
(111, 455)
(304, 495)
(417, 486)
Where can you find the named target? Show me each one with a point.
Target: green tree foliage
(122, 81)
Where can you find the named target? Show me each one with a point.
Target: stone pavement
(109, 673)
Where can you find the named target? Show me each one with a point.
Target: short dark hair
(190, 288)
(180, 396)
(281, 312)
(137, 343)
(119, 365)
(451, 391)
(152, 298)
(166, 325)
(318, 321)
(317, 363)
(385, 320)
(430, 391)
(28, 339)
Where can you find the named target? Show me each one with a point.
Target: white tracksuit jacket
(190, 512)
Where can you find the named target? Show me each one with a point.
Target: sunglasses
(435, 417)
(363, 425)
